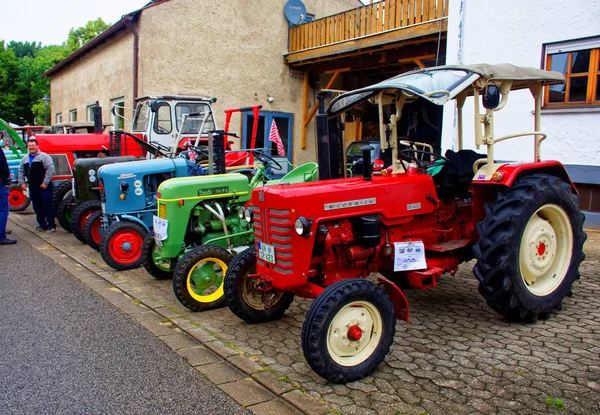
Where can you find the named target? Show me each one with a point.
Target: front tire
(245, 299)
(159, 268)
(530, 247)
(60, 192)
(92, 231)
(80, 217)
(64, 213)
(17, 199)
(348, 330)
(121, 245)
(198, 277)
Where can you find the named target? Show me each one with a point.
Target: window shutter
(572, 45)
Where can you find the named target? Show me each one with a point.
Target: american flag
(276, 138)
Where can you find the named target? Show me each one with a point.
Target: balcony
(388, 26)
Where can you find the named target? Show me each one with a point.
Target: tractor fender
(511, 172)
(397, 296)
(132, 219)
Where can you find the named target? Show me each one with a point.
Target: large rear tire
(159, 268)
(245, 299)
(348, 330)
(121, 245)
(80, 217)
(64, 213)
(60, 192)
(198, 277)
(17, 199)
(530, 247)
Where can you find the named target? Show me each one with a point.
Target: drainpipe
(136, 51)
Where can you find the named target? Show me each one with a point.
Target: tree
(80, 36)
(22, 65)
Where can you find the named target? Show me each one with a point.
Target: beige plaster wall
(101, 75)
(228, 50)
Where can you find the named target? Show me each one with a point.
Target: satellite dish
(295, 12)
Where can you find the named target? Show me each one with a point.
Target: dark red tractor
(429, 214)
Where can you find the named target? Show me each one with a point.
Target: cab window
(162, 123)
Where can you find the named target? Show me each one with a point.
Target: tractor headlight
(248, 215)
(302, 226)
(241, 212)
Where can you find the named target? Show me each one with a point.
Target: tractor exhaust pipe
(367, 165)
(97, 109)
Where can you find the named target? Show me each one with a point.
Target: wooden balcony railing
(367, 20)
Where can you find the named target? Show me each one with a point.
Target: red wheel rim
(125, 246)
(96, 230)
(16, 198)
(85, 217)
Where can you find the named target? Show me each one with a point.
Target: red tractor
(520, 221)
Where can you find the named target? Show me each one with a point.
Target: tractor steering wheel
(267, 160)
(410, 155)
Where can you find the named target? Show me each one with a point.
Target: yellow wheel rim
(546, 250)
(205, 280)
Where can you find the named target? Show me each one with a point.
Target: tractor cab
(174, 120)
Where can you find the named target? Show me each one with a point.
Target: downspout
(136, 51)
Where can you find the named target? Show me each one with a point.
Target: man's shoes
(50, 230)
(7, 241)
(8, 231)
(40, 229)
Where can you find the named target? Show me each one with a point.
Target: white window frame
(73, 115)
(59, 117)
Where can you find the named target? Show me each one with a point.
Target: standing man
(38, 169)
(5, 182)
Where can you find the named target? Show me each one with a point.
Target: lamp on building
(46, 100)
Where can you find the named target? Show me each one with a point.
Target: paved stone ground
(455, 356)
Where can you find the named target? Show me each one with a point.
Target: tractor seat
(456, 175)
(237, 158)
(304, 173)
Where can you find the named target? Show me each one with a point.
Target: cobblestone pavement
(455, 356)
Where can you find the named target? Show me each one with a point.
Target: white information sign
(160, 228)
(409, 256)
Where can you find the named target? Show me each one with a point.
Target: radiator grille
(162, 211)
(275, 226)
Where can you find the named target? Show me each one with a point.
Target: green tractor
(202, 222)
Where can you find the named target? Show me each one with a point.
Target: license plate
(266, 252)
(160, 226)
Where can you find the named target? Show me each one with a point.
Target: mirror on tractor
(491, 97)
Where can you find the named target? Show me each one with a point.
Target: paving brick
(198, 355)
(178, 341)
(309, 404)
(247, 392)
(273, 407)
(220, 372)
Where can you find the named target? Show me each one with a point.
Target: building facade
(547, 34)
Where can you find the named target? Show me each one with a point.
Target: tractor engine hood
(216, 186)
(392, 196)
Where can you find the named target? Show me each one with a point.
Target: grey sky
(49, 21)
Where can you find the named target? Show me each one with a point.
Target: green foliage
(22, 65)
(79, 37)
(555, 402)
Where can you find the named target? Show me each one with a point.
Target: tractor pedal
(424, 279)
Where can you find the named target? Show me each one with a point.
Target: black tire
(90, 227)
(60, 192)
(83, 211)
(17, 201)
(160, 271)
(245, 300)
(537, 210)
(352, 301)
(64, 213)
(190, 295)
(114, 249)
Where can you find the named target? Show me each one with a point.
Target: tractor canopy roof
(176, 98)
(442, 83)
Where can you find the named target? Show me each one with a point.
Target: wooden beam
(307, 119)
(304, 110)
